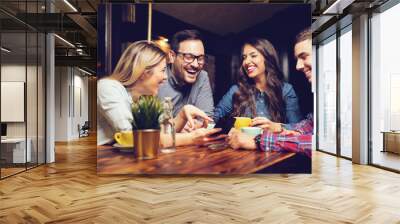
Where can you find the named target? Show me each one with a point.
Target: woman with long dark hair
(260, 92)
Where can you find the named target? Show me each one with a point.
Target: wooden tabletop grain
(187, 160)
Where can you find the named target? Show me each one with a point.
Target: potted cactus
(146, 127)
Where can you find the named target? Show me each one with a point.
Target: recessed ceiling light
(5, 50)
(337, 7)
(84, 71)
(65, 41)
(70, 5)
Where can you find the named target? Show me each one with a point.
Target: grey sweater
(199, 94)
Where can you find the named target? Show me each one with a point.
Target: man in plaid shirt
(287, 137)
(294, 138)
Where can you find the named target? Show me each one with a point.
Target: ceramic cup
(124, 138)
(252, 131)
(241, 122)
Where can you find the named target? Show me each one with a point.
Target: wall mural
(204, 88)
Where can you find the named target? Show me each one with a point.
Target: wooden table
(188, 160)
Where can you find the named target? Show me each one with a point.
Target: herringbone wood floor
(69, 191)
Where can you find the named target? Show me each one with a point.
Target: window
(22, 65)
(385, 88)
(346, 92)
(326, 82)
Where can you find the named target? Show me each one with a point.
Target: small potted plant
(146, 127)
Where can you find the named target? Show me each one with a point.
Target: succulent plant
(146, 112)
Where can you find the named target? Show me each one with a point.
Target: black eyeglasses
(189, 58)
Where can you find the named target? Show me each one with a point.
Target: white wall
(34, 124)
(13, 73)
(61, 103)
(71, 102)
(81, 104)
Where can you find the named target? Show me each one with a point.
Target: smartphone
(225, 124)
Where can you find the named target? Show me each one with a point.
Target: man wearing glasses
(187, 82)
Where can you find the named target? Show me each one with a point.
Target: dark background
(281, 24)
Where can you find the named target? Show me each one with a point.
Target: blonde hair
(138, 58)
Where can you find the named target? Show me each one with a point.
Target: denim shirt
(293, 114)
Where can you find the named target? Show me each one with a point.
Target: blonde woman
(140, 71)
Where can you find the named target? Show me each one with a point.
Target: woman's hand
(197, 124)
(189, 114)
(266, 124)
(203, 135)
(289, 132)
(239, 140)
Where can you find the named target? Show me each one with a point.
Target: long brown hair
(245, 97)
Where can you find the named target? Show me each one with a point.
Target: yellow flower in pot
(146, 127)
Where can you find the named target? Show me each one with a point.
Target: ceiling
(241, 16)
(80, 27)
(23, 47)
(34, 6)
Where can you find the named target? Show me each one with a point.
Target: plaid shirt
(305, 126)
(301, 143)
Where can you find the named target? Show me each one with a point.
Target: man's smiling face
(185, 71)
(302, 52)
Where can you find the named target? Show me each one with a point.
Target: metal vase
(146, 143)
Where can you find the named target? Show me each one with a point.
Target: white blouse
(114, 110)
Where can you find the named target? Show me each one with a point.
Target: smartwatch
(257, 140)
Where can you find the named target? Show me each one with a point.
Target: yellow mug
(241, 122)
(124, 138)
